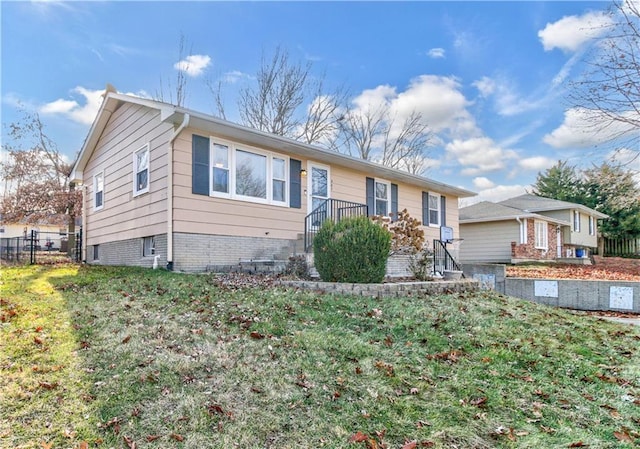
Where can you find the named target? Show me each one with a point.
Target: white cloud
(440, 101)
(571, 32)
(436, 53)
(479, 155)
(497, 193)
(485, 85)
(234, 76)
(483, 183)
(84, 114)
(583, 128)
(536, 163)
(193, 65)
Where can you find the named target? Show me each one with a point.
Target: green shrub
(352, 250)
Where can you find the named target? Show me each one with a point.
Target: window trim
(438, 209)
(377, 181)
(576, 221)
(541, 241)
(96, 252)
(592, 225)
(232, 149)
(144, 148)
(95, 191)
(523, 231)
(152, 239)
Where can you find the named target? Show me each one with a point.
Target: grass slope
(132, 358)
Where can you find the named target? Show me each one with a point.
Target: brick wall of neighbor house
(528, 251)
(203, 252)
(129, 252)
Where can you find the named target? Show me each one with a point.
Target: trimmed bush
(352, 250)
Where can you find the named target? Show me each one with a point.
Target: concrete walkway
(633, 321)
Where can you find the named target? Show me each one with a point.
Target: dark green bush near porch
(353, 250)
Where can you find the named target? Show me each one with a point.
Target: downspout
(83, 235)
(183, 125)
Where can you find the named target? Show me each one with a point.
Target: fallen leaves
(607, 268)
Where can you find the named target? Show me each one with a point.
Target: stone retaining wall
(387, 290)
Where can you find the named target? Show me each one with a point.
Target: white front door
(319, 185)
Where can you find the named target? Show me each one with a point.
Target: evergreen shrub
(352, 250)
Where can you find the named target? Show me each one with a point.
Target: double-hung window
(141, 170)
(576, 221)
(541, 235)
(382, 192)
(98, 191)
(592, 225)
(434, 209)
(248, 174)
(220, 178)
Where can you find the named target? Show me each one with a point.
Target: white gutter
(183, 125)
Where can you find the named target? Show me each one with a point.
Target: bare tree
(180, 87)
(36, 185)
(272, 104)
(286, 99)
(609, 90)
(375, 134)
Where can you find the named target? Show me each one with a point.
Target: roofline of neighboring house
(514, 217)
(174, 115)
(569, 205)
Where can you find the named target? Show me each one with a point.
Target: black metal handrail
(330, 209)
(442, 258)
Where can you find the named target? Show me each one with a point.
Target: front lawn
(133, 358)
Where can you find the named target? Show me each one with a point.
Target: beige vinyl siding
(571, 237)
(203, 214)
(488, 242)
(125, 216)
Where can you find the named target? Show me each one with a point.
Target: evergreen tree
(560, 182)
(611, 189)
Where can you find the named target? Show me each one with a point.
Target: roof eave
(259, 138)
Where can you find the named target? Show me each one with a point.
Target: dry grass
(153, 359)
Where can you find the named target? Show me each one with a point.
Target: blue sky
(490, 78)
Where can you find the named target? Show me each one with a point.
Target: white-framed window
(576, 221)
(98, 191)
(148, 246)
(592, 225)
(141, 170)
(96, 252)
(382, 192)
(220, 169)
(541, 234)
(523, 231)
(248, 174)
(434, 209)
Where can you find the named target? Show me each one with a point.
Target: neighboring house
(527, 227)
(48, 234)
(203, 193)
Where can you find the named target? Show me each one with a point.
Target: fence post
(33, 247)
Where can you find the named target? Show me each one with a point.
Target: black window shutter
(443, 210)
(371, 199)
(394, 202)
(200, 165)
(425, 208)
(295, 185)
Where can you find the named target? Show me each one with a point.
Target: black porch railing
(330, 209)
(442, 258)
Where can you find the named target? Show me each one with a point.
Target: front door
(318, 191)
(319, 187)
(559, 242)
